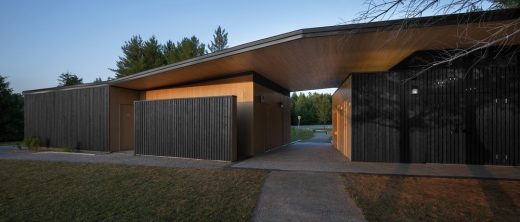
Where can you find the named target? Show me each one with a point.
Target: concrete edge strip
(56, 152)
(387, 174)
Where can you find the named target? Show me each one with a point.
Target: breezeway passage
(323, 157)
(301, 156)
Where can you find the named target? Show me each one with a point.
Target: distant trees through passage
(314, 108)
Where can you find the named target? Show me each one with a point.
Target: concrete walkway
(305, 196)
(12, 153)
(322, 157)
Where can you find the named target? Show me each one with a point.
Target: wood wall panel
(118, 97)
(76, 118)
(271, 120)
(200, 128)
(261, 126)
(459, 116)
(341, 118)
(241, 87)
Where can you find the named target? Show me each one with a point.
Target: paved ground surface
(128, 158)
(322, 157)
(305, 196)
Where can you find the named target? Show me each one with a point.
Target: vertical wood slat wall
(242, 87)
(262, 125)
(457, 116)
(200, 128)
(271, 121)
(341, 118)
(76, 118)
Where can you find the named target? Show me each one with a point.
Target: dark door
(126, 127)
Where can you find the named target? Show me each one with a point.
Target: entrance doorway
(126, 127)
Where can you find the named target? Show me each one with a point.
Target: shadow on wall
(449, 114)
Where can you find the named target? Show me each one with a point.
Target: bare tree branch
(500, 35)
(497, 38)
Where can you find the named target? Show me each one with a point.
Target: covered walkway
(300, 156)
(315, 155)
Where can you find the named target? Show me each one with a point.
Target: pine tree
(98, 80)
(140, 56)
(323, 108)
(220, 40)
(11, 113)
(152, 54)
(69, 79)
(314, 108)
(508, 3)
(189, 48)
(133, 60)
(170, 52)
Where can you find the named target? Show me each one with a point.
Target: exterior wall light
(281, 105)
(415, 90)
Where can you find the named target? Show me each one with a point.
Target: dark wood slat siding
(200, 128)
(453, 119)
(76, 118)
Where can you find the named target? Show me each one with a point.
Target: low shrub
(67, 149)
(32, 143)
(27, 142)
(35, 144)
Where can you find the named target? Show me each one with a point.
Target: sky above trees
(41, 39)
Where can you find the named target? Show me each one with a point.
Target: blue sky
(41, 39)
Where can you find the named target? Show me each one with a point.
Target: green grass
(56, 191)
(301, 134)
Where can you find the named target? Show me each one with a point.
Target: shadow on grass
(385, 207)
(499, 201)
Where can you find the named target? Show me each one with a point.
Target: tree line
(140, 55)
(314, 108)
(11, 113)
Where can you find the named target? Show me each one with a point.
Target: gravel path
(127, 158)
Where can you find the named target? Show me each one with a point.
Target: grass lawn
(301, 134)
(396, 198)
(54, 191)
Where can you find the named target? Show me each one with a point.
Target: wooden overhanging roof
(322, 57)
